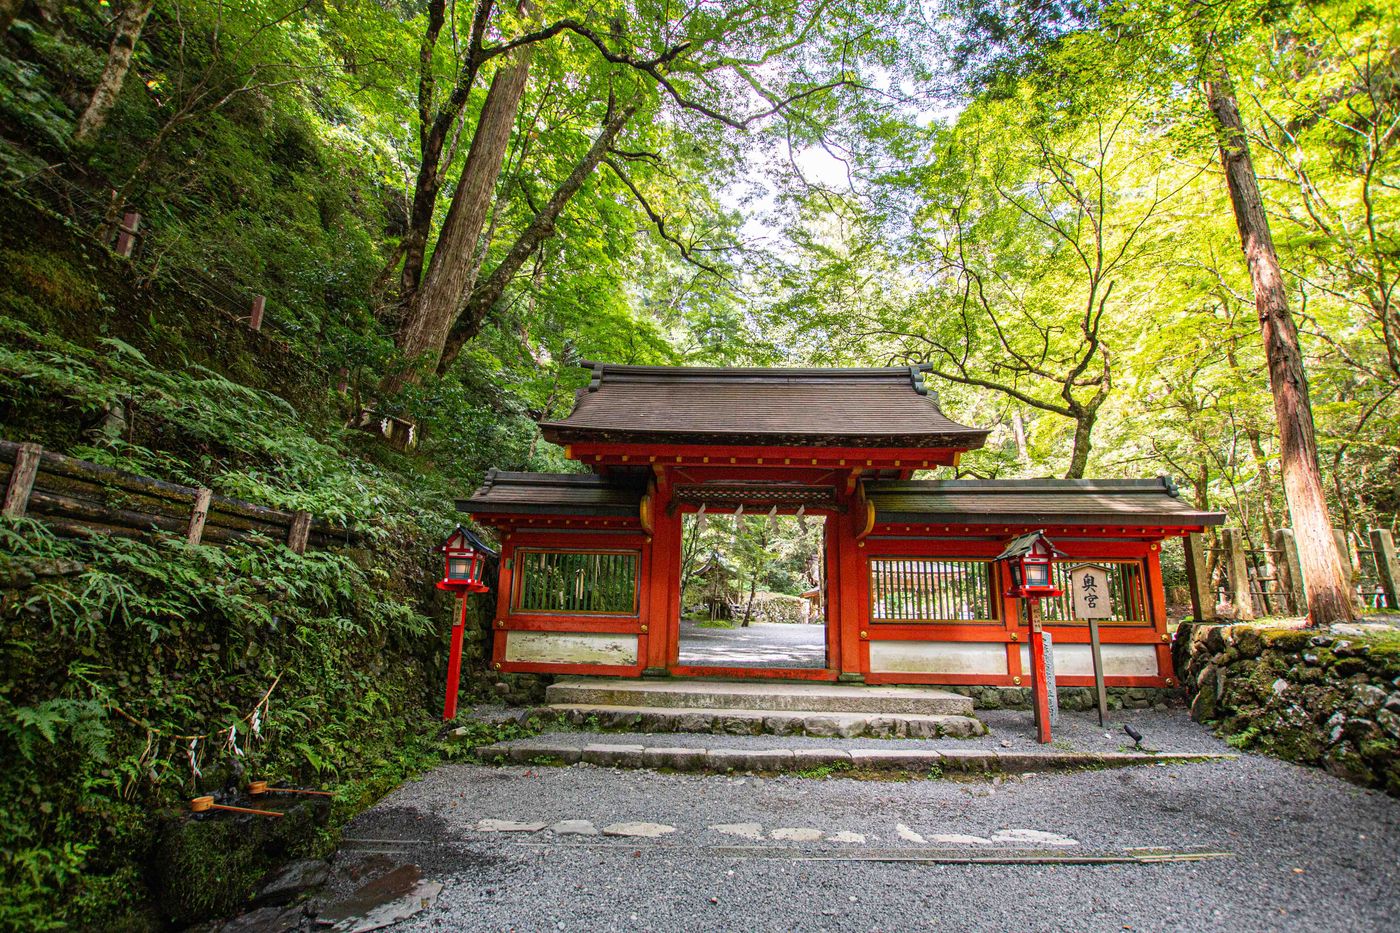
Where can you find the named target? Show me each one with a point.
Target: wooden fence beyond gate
(1248, 582)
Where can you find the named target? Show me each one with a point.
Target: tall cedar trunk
(452, 270)
(1329, 598)
(128, 29)
(432, 133)
(9, 9)
(434, 128)
(541, 227)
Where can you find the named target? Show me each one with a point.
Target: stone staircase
(763, 708)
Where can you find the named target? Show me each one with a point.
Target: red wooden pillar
(1040, 689)
(844, 612)
(454, 664)
(660, 598)
(1156, 596)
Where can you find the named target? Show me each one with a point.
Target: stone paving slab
(733, 721)
(723, 758)
(755, 695)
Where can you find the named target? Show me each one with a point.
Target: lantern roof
(465, 538)
(889, 407)
(1030, 543)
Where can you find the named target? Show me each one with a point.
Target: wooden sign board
(1089, 585)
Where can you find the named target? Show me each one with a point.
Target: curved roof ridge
(876, 407)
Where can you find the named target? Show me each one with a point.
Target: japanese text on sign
(1092, 600)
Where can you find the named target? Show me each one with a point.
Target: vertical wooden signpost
(1092, 602)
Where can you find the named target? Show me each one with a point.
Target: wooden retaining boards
(76, 497)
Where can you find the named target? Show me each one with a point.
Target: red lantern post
(1028, 560)
(465, 558)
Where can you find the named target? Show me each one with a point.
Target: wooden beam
(21, 480)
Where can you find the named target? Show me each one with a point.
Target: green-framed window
(932, 589)
(584, 582)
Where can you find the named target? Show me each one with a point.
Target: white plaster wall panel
(937, 657)
(570, 648)
(1118, 660)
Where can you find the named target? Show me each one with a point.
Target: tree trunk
(1083, 430)
(452, 270)
(1329, 599)
(434, 127)
(128, 29)
(1018, 429)
(9, 9)
(432, 133)
(485, 295)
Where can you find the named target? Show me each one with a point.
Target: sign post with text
(1092, 601)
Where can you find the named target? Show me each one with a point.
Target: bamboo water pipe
(205, 804)
(257, 788)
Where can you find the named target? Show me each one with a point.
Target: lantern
(1028, 561)
(465, 557)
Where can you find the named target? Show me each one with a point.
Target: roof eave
(561, 432)
(476, 507)
(1103, 519)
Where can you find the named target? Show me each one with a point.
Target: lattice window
(588, 582)
(931, 590)
(1124, 590)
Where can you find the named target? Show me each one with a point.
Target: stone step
(911, 761)
(754, 695)
(769, 722)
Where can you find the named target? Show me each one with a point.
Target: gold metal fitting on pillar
(497, 665)
(1015, 636)
(864, 633)
(1016, 681)
(644, 629)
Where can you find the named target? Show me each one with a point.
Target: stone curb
(859, 759)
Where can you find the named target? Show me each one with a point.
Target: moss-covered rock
(1301, 695)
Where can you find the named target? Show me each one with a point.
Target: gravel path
(758, 645)
(1308, 852)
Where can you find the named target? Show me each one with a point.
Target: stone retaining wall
(1307, 696)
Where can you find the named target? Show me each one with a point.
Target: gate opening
(753, 591)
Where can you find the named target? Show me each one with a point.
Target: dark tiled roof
(1145, 502)
(781, 407)
(503, 493)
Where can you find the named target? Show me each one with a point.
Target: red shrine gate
(590, 576)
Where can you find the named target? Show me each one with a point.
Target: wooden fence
(75, 497)
(1249, 581)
